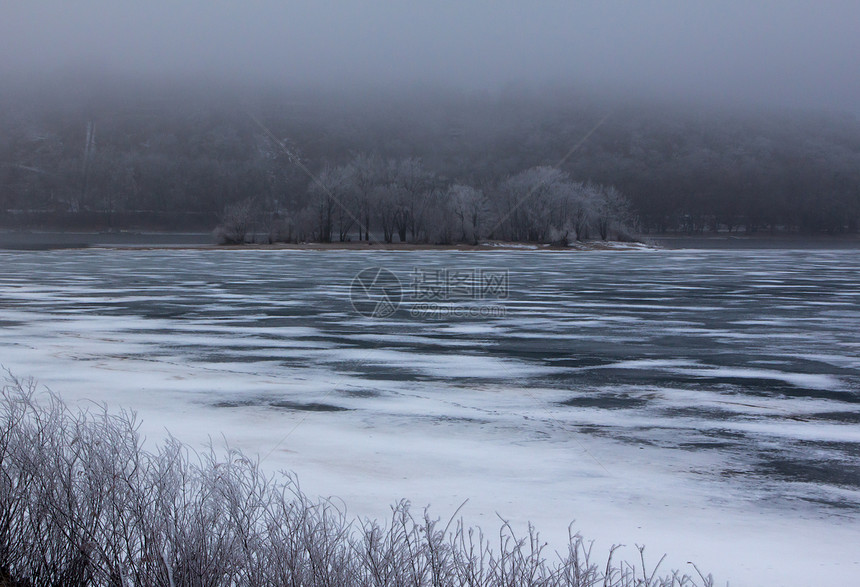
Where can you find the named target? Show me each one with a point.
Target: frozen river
(705, 403)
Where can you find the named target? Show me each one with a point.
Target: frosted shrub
(81, 503)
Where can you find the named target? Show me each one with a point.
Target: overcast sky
(789, 53)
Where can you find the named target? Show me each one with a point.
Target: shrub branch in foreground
(82, 503)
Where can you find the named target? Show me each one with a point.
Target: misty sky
(803, 54)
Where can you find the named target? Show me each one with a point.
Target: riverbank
(33, 240)
(47, 240)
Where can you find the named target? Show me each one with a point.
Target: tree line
(422, 166)
(399, 200)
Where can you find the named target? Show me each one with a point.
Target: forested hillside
(429, 166)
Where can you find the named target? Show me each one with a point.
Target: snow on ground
(702, 403)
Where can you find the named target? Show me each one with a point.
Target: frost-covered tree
(367, 172)
(612, 210)
(331, 199)
(236, 223)
(415, 188)
(469, 207)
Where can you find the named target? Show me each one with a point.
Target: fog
(787, 54)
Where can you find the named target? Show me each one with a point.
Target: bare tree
(368, 171)
(237, 222)
(387, 203)
(528, 202)
(331, 192)
(469, 206)
(416, 188)
(612, 210)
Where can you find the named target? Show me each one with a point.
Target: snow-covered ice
(704, 403)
